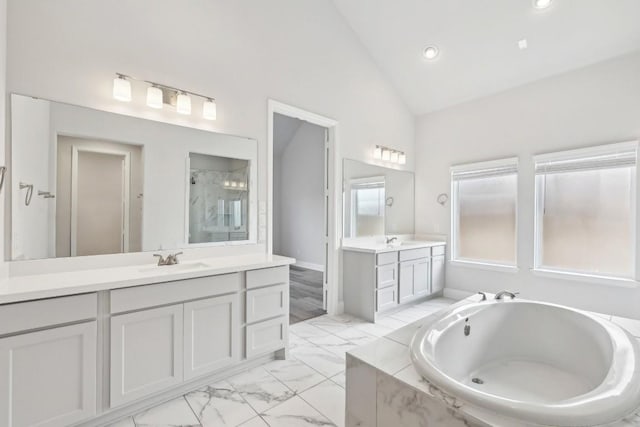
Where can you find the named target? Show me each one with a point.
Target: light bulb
(242, 184)
(394, 157)
(122, 89)
(209, 110)
(430, 52)
(377, 152)
(183, 104)
(386, 154)
(154, 97)
(226, 183)
(541, 4)
(234, 184)
(402, 159)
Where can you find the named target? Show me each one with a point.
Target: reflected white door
(99, 202)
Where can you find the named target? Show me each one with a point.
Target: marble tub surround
(24, 288)
(306, 390)
(380, 375)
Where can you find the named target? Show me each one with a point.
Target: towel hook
(29, 195)
(3, 172)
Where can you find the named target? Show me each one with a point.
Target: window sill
(585, 278)
(484, 266)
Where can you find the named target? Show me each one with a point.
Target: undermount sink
(175, 268)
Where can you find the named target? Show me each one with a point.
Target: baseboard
(457, 294)
(309, 265)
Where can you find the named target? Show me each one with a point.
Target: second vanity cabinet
(400, 276)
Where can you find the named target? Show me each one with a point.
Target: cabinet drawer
(140, 297)
(386, 275)
(267, 276)
(437, 250)
(410, 254)
(386, 298)
(265, 303)
(266, 336)
(387, 258)
(47, 312)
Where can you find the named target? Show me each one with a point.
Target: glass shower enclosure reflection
(218, 199)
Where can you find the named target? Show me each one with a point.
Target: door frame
(126, 184)
(332, 194)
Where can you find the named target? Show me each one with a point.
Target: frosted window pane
(487, 219)
(587, 221)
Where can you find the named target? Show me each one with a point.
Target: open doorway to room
(299, 211)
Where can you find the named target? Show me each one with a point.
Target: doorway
(301, 225)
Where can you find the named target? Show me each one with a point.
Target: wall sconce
(389, 155)
(159, 94)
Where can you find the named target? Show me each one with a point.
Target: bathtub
(539, 363)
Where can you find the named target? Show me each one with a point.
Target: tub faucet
(391, 240)
(501, 295)
(484, 296)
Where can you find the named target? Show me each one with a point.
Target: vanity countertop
(24, 288)
(377, 248)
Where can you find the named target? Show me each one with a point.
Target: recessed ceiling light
(430, 52)
(541, 4)
(522, 44)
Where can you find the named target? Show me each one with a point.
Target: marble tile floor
(306, 390)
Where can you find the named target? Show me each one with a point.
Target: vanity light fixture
(154, 97)
(387, 154)
(523, 44)
(122, 88)
(541, 4)
(159, 94)
(377, 152)
(430, 52)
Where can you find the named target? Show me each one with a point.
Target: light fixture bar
(122, 80)
(391, 155)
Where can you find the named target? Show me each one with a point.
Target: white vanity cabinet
(378, 281)
(48, 376)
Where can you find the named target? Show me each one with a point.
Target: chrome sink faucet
(391, 240)
(171, 259)
(502, 294)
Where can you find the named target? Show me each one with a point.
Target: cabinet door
(387, 276)
(437, 273)
(421, 277)
(48, 378)
(405, 291)
(146, 352)
(211, 334)
(386, 298)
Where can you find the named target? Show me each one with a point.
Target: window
(585, 211)
(484, 200)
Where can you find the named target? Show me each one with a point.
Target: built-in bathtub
(534, 362)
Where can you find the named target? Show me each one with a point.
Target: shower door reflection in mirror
(218, 199)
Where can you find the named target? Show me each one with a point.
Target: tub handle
(484, 296)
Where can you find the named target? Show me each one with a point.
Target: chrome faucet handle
(484, 296)
(161, 260)
(173, 259)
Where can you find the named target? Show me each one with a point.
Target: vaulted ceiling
(478, 42)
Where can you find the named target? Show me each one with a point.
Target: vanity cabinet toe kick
(89, 359)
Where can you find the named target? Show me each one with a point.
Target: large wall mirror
(89, 182)
(377, 200)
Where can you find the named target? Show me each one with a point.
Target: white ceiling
(478, 42)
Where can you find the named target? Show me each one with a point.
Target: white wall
(299, 206)
(4, 247)
(300, 52)
(595, 105)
